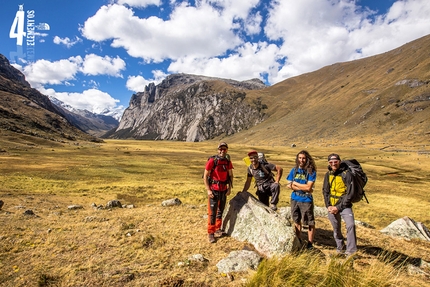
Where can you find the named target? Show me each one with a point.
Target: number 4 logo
(18, 26)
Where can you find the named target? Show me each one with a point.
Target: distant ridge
(382, 99)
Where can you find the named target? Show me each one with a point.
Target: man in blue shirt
(301, 180)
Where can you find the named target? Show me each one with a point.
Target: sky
(96, 54)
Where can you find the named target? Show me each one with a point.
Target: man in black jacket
(337, 196)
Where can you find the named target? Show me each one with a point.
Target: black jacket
(345, 200)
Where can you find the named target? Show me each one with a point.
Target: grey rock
(171, 202)
(75, 207)
(408, 229)
(29, 212)
(113, 203)
(238, 261)
(247, 219)
(197, 257)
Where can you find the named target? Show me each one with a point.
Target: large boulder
(247, 219)
(408, 229)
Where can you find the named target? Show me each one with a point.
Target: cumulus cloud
(139, 3)
(138, 83)
(97, 65)
(45, 72)
(66, 41)
(318, 33)
(193, 31)
(92, 100)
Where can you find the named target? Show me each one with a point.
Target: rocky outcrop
(408, 229)
(191, 108)
(247, 219)
(9, 72)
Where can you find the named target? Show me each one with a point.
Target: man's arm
(206, 181)
(247, 183)
(279, 171)
(230, 174)
(307, 187)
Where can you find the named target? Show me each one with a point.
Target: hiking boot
(309, 246)
(220, 233)
(273, 207)
(211, 238)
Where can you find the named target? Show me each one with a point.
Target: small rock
(75, 206)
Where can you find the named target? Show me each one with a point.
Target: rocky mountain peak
(191, 108)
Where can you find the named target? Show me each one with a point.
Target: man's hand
(333, 209)
(210, 194)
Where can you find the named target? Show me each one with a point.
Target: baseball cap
(333, 156)
(223, 144)
(252, 152)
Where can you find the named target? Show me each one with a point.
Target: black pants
(267, 190)
(216, 208)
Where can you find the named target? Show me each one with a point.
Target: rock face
(247, 219)
(190, 108)
(407, 228)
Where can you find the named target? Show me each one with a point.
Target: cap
(223, 144)
(333, 156)
(252, 152)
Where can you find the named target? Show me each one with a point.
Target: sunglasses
(333, 161)
(223, 149)
(253, 157)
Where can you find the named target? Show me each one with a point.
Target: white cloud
(318, 33)
(250, 61)
(66, 41)
(92, 100)
(97, 65)
(45, 72)
(191, 31)
(138, 83)
(139, 3)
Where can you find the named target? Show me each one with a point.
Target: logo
(24, 26)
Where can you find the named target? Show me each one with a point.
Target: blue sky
(95, 54)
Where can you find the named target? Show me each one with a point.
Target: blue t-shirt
(301, 176)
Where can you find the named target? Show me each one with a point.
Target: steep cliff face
(190, 108)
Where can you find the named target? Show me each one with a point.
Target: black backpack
(359, 178)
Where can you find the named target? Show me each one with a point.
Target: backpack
(216, 159)
(359, 178)
(263, 162)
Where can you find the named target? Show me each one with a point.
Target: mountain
(191, 108)
(24, 111)
(381, 99)
(93, 124)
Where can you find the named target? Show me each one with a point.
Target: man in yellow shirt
(337, 196)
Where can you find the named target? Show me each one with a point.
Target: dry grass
(150, 245)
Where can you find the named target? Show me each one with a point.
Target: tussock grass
(312, 269)
(151, 245)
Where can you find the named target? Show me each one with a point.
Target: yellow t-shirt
(337, 188)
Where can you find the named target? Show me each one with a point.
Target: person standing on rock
(301, 180)
(267, 185)
(335, 191)
(218, 179)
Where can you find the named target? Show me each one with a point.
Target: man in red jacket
(218, 179)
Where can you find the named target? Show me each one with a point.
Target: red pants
(216, 207)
